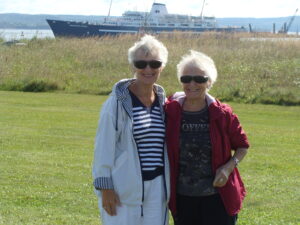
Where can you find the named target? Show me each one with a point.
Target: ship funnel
(158, 10)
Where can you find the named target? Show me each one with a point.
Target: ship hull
(62, 28)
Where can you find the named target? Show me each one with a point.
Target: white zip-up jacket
(116, 161)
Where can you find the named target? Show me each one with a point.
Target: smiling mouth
(196, 90)
(148, 75)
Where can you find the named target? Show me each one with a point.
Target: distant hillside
(27, 21)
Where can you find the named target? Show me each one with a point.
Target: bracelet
(235, 160)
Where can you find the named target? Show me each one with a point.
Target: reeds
(251, 71)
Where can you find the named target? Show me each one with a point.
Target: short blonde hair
(148, 45)
(200, 61)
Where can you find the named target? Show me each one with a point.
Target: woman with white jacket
(131, 170)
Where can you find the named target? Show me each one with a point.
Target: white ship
(158, 20)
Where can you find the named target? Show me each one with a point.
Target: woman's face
(147, 68)
(194, 90)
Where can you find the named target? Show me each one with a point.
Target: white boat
(158, 20)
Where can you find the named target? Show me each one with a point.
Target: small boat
(157, 21)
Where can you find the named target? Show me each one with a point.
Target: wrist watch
(235, 160)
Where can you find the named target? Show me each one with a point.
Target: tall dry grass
(252, 71)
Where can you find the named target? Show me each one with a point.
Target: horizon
(41, 14)
(217, 8)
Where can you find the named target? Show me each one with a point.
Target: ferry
(157, 21)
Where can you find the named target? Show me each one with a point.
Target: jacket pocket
(121, 175)
(121, 160)
(233, 194)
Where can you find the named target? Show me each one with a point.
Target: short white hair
(148, 45)
(200, 61)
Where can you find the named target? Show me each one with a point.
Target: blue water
(17, 34)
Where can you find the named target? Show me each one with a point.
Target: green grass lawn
(46, 151)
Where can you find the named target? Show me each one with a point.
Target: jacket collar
(214, 106)
(121, 91)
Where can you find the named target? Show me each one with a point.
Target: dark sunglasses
(142, 64)
(198, 79)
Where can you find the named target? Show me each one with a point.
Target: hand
(110, 201)
(222, 174)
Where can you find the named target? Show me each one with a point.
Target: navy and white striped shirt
(149, 134)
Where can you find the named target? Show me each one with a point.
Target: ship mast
(201, 15)
(108, 11)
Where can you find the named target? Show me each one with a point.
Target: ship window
(157, 11)
(161, 24)
(171, 24)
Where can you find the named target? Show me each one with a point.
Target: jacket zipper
(143, 195)
(143, 188)
(164, 173)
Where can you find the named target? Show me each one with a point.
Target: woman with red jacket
(206, 188)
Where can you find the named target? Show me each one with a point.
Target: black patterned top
(195, 172)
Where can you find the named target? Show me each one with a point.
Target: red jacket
(226, 134)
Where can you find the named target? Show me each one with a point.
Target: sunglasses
(198, 79)
(142, 64)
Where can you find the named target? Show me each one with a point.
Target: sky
(218, 8)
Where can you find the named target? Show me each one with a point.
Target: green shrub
(39, 86)
(30, 86)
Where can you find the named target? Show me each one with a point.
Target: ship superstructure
(158, 20)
